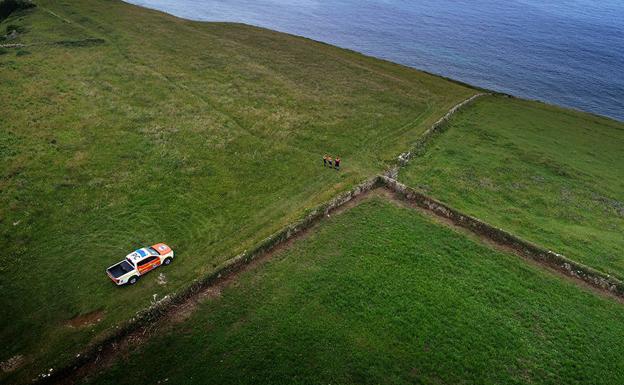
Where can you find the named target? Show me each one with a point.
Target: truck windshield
(153, 251)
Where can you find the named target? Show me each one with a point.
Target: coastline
(438, 73)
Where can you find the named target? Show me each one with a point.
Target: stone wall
(230, 266)
(388, 180)
(544, 256)
(424, 139)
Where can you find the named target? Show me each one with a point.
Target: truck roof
(139, 254)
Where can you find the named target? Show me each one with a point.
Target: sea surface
(565, 52)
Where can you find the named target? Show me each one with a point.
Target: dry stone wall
(431, 132)
(544, 256)
(388, 180)
(231, 266)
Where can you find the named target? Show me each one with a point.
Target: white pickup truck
(140, 262)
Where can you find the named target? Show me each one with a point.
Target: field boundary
(543, 256)
(108, 347)
(435, 129)
(227, 269)
(108, 344)
(499, 236)
(237, 263)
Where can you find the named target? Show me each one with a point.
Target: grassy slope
(381, 295)
(205, 136)
(552, 176)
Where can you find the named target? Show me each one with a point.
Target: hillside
(383, 295)
(122, 127)
(549, 175)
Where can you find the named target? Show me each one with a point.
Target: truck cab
(140, 262)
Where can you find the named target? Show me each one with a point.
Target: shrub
(17, 28)
(7, 7)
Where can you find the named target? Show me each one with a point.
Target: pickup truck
(140, 262)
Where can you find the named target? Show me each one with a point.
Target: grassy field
(382, 295)
(552, 176)
(122, 127)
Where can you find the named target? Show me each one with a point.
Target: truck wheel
(167, 261)
(133, 280)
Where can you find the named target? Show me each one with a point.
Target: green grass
(552, 176)
(382, 295)
(122, 127)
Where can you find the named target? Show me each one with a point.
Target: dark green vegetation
(8, 7)
(382, 295)
(551, 176)
(122, 127)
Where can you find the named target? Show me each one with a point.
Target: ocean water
(565, 52)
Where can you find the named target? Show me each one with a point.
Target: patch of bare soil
(85, 320)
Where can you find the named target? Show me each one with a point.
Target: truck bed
(119, 269)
